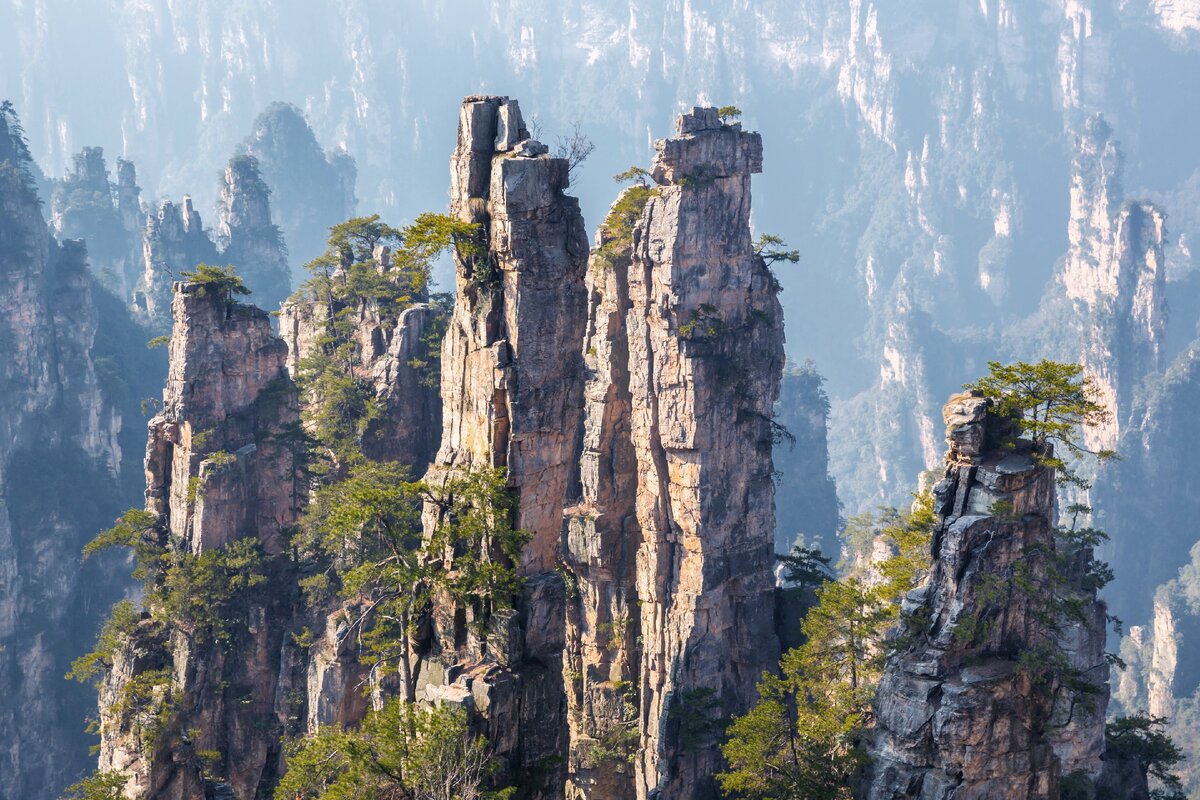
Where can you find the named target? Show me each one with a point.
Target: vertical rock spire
(246, 235)
(1115, 275)
(512, 398)
(706, 355)
(220, 469)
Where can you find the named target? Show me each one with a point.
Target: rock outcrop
(247, 237)
(86, 205)
(706, 349)
(1115, 276)
(174, 242)
(393, 355)
(960, 712)
(602, 535)
(313, 190)
(806, 500)
(220, 469)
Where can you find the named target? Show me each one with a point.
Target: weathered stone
(705, 336)
(512, 397)
(219, 467)
(957, 716)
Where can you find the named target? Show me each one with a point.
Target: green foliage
(222, 281)
(1050, 401)
(805, 566)
(798, 740)
(92, 666)
(397, 752)
(139, 531)
(340, 405)
(634, 173)
(773, 249)
(727, 113)
(158, 341)
(702, 323)
(617, 228)
(146, 703)
(615, 745)
(97, 786)
(1142, 738)
(692, 711)
(209, 594)
(1045, 581)
(366, 526)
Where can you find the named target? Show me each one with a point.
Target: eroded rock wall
(512, 397)
(246, 235)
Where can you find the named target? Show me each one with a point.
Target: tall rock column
(512, 397)
(957, 715)
(601, 533)
(706, 356)
(1115, 276)
(248, 238)
(220, 469)
(174, 241)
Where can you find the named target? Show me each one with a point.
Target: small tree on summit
(1050, 401)
(728, 113)
(223, 281)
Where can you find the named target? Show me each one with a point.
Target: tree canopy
(1051, 402)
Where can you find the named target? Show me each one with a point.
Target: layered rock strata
(512, 398)
(957, 713)
(220, 468)
(706, 355)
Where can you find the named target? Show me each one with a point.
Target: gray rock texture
(706, 353)
(957, 714)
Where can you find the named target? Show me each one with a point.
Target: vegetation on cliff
(798, 740)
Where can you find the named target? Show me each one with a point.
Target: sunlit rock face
(512, 397)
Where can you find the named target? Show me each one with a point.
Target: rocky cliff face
(67, 383)
(959, 713)
(705, 342)
(220, 469)
(806, 501)
(1115, 275)
(313, 190)
(85, 205)
(512, 398)
(394, 356)
(246, 235)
